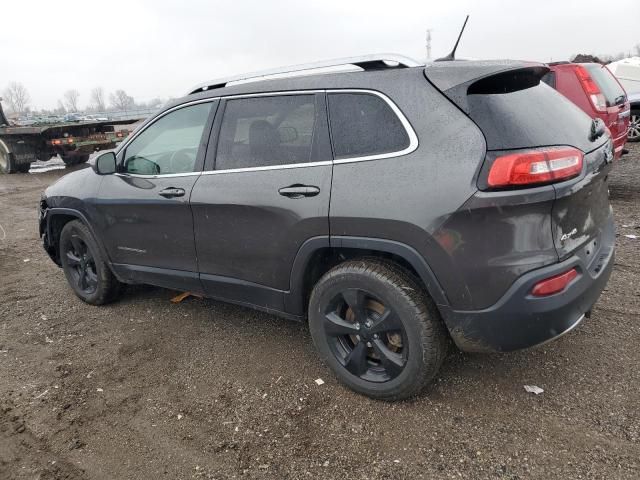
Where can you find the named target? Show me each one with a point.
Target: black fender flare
(52, 212)
(294, 299)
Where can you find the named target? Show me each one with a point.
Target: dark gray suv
(393, 205)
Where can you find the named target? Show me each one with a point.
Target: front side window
(266, 131)
(170, 145)
(364, 124)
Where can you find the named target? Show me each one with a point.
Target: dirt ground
(144, 389)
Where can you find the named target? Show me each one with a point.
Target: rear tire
(634, 127)
(84, 266)
(377, 329)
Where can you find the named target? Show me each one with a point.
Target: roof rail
(365, 62)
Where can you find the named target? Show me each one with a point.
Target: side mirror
(104, 164)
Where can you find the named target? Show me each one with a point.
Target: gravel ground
(145, 389)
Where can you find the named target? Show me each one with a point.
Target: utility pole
(428, 44)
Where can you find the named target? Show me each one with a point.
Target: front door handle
(172, 192)
(299, 191)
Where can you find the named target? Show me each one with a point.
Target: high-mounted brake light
(554, 284)
(591, 88)
(535, 166)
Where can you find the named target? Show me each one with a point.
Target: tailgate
(581, 210)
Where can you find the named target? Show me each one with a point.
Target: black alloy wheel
(375, 326)
(365, 336)
(82, 266)
(87, 271)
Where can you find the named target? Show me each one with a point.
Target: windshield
(611, 89)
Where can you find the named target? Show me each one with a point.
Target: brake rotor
(394, 339)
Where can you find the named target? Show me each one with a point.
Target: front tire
(86, 270)
(377, 329)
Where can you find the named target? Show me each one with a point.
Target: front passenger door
(148, 226)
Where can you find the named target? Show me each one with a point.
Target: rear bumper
(618, 145)
(519, 320)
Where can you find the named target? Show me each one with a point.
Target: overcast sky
(160, 48)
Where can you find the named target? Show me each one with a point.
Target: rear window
(515, 111)
(609, 86)
(364, 124)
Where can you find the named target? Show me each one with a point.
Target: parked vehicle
(627, 71)
(595, 90)
(41, 139)
(72, 117)
(394, 208)
(634, 121)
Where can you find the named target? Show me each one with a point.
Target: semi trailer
(72, 141)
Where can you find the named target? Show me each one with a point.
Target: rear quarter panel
(408, 198)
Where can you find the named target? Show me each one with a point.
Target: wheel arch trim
(294, 298)
(54, 211)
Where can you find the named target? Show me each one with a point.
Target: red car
(594, 89)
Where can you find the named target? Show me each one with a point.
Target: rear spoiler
(457, 79)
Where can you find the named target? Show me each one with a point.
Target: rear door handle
(172, 192)
(299, 191)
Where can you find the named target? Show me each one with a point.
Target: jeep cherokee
(392, 205)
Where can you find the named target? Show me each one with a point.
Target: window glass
(364, 124)
(169, 145)
(610, 87)
(266, 131)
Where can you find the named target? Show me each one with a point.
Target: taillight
(533, 167)
(591, 88)
(554, 284)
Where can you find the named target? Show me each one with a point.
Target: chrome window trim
(413, 138)
(166, 175)
(269, 167)
(124, 145)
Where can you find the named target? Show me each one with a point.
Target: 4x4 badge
(567, 236)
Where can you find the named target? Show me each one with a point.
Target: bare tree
(121, 101)
(17, 97)
(637, 49)
(97, 99)
(60, 108)
(71, 99)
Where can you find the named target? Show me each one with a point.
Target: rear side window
(266, 131)
(611, 89)
(363, 124)
(550, 79)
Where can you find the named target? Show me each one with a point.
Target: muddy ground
(144, 389)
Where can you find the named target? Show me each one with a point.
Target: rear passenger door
(265, 191)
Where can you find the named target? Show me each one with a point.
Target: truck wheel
(7, 163)
(87, 272)
(23, 167)
(377, 329)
